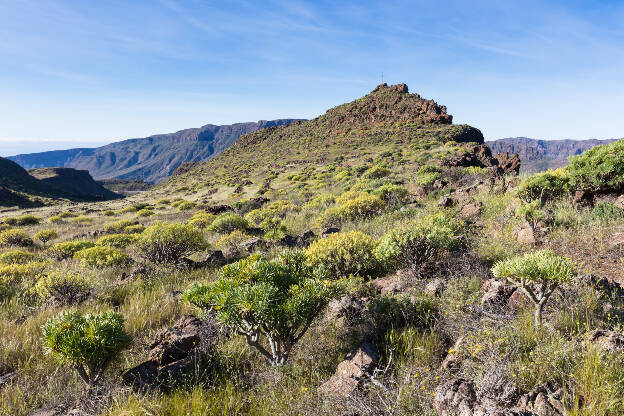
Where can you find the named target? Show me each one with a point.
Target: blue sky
(74, 73)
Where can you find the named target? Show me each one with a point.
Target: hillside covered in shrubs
(376, 260)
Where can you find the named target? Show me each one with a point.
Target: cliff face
(152, 158)
(539, 155)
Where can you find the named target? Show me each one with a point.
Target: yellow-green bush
(321, 201)
(362, 207)
(231, 241)
(102, 256)
(67, 288)
(275, 209)
(17, 257)
(109, 213)
(186, 205)
(12, 275)
(26, 219)
(81, 219)
(117, 240)
(118, 226)
(145, 212)
(545, 185)
(67, 249)
(376, 172)
(201, 220)
(391, 193)
(15, 237)
(168, 243)
(228, 222)
(412, 246)
(343, 254)
(134, 229)
(46, 236)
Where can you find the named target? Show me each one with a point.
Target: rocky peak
(387, 103)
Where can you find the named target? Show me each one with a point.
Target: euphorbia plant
(87, 342)
(538, 274)
(271, 303)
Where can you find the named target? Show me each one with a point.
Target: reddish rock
(352, 373)
(390, 284)
(470, 210)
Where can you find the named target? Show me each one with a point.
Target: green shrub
(117, 240)
(428, 174)
(273, 228)
(168, 243)
(25, 219)
(128, 209)
(228, 222)
(14, 237)
(531, 212)
(362, 207)
(12, 275)
(321, 201)
(376, 172)
(134, 229)
(414, 245)
(201, 220)
(605, 211)
(343, 254)
(276, 209)
(102, 256)
(186, 205)
(231, 241)
(543, 186)
(598, 168)
(17, 257)
(87, 343)
(537, 274)
(272, 300)
(109, 213)
(118, 226)
(46, 236)
(63, 288)
(392, 194)
(67, 249)
(145, 212)
(163, 201)
(81, 219)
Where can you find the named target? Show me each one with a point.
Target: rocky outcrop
(459, 398)
(481, 156)
(352, 373)
(608, 340)
(175, 353)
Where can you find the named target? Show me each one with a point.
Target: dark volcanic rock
(175, 353)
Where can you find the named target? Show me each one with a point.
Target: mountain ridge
(151, 158)
(538, 155)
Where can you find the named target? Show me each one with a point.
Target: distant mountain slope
(41, 186)
(539, 155)
(152, 158)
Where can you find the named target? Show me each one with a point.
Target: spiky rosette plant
(538, 274)
(86, 342)
(272, 303)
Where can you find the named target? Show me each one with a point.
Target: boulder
(470, 210)
(496, 293)
(218, 209)
(526, 235)
(619, 202)
(329, 230)
(288, 241)
(214, 259)
(508, 164)
(352, 373)
(455, 398)
(446, 202)
(435, 287)
(391, 283)
(174, 354)
(305, 239)
(608, 340)
(253, 244)
(544, 400)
